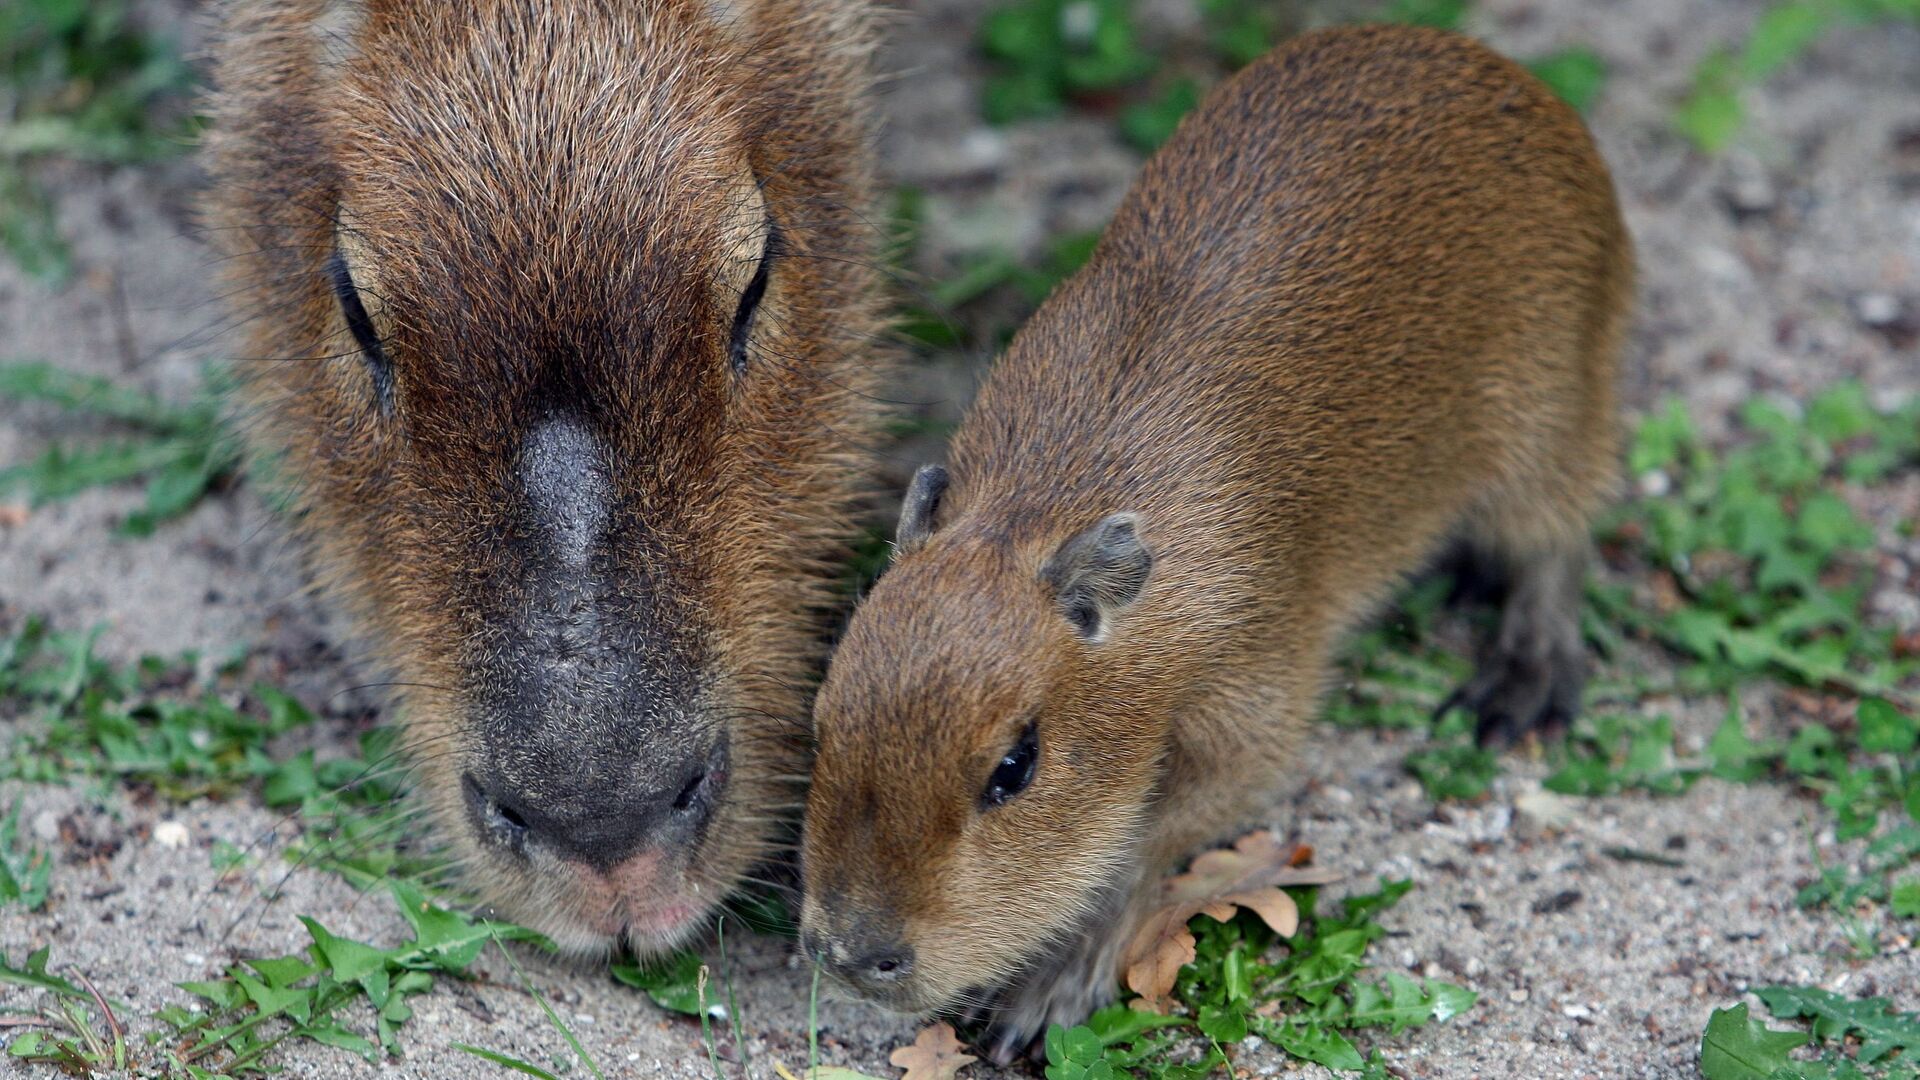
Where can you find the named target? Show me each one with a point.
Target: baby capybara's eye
(1015, 771)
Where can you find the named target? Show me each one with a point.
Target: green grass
(1758, 569)
(1310, 997)
(336, 991)
(76, 1030)
(25, 869)
(181, 452)
(1052, 50)
(156, 725)
(84, 81)
(1048, 56)
(1712, 115)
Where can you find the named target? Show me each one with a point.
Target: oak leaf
(934, 1055)
(1248, 875)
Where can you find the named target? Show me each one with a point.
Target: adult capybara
(561, 319)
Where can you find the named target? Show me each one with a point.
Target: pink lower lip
(663, 920)
(656, 921)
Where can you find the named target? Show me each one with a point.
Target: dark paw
(1005, 1044)
(1512, 695)
(1474, 578)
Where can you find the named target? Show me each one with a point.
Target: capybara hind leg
(1531, 674)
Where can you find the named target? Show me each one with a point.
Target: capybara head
(977, 783)
(561, 319)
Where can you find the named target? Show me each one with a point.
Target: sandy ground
(1759, 270)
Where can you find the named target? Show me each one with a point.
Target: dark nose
(864, 962)
(599, 823)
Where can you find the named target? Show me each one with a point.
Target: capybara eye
(750, 302)
(361, 326)
(1015, 770)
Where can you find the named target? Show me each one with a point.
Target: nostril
(509, 816)
(499, 819)
(691, 791)
(887, 967)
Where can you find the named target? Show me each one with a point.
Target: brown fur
(550, 209)
(1365, 302)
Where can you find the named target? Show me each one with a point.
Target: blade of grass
(42, 382)
(113, 1022)
(813, 1021)
(504, 1061)
(735, 1020)
(706, 1025)
(553, 1017)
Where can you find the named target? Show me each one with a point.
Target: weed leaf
(1738, 1047)
(1834, 1018)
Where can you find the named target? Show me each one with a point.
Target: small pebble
(1575, 1012)
(170, 834)
(46, 826)
(1078, 21)
(1542, 810)
(1517, 995)
(1751, 193)
(1877, 309)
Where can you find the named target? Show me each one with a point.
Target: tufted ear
(1098, 573)
(918, 508)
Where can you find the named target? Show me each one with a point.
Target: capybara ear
(1098, 573)
(917, 510)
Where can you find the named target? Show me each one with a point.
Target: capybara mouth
(645, 904)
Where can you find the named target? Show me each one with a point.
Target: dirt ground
(1761, 273)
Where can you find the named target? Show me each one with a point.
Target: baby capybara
(1363, 305)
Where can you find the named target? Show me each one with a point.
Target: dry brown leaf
(12, 514)
(1249, 875)
(1161, 947)
(934, 1055)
